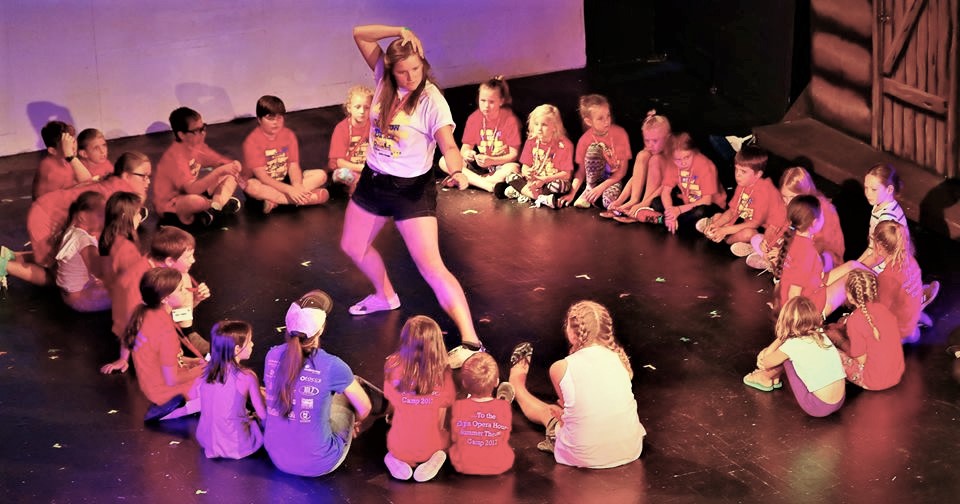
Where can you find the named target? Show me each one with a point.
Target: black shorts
(397, 197)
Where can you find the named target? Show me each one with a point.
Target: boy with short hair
(92, 150)
(756, 204)
(175, 248)
(271, 155)
(59, 168)
(178, 188)
(480, 424)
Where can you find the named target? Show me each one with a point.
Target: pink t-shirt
(179, 167)
(695, 182)
(99, 170)
(349, 142)
(273, 154)
(760, 203)
(884, 365)
(158, 345)
(893, 286)
(616, 141)
(480, 435)
(546, 159)
(122, 271)
(416, 432)
(492, 138)
(52, 174)
(803, 266)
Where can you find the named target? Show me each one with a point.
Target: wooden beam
(900, 41)
(915, 97)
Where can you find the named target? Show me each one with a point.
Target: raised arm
(367, 38)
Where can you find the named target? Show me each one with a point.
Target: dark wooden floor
(690, 316)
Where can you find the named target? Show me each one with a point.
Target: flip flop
(759, 386)
(521, 352)
(624, 219)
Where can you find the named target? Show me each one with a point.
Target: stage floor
(690, 315)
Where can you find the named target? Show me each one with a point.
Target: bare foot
(268, 206)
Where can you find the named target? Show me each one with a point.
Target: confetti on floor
(714, 314)
(7, 200)
(57, 445)
(624, 294)
(535, 289)
(484, 320)
(112, 412)
(703, 297)
(281, 328)
(54, 357)
(224, 228)
(650, 366)
(305, 263)
(660, 280)
(761, 291)
(470, 211)
(585, 277)
(174, 443)
(3, 353)
(53, 350)
(684, 339)
(200, 492)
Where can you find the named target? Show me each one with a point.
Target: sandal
(523, 352)
(759, 386)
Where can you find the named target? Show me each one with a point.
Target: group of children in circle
(83, 227)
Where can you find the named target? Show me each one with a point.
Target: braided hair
(802, 212)
(862, 289)
(590, 323)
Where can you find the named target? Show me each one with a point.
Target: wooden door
(915, 74)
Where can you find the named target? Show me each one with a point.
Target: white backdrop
(123, 65)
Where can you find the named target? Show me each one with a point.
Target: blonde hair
(862, 289)
(358, 90)
(654, 121)
(800, 318)
(419, 365)
(893, 240)
(540, 114)
(590, 102)
(479, 375)
(590, 323)
(798, 181)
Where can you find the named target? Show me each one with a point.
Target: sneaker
(205, 218)
(911, 338)
(500, 190)
(757, 261)
(523, 199)
(398, 469)
(741, 249)
(427, 470)
(581, 203)
(505, 391)
(460, 353)
(232, 206)
(925, 320)
(547, 200)
(156, 412)
(930, 292)
(737, 142)
(649, 215)
(702, 224)
(373, 304)
(511, 192)
(546, 445)
(511, 177)
(344, 176)
(954, 350)
(6, 255)
(322, 196)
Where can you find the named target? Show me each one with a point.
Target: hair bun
(651, 113)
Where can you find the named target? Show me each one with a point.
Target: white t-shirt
(600, 427)
(817, 367)
(72, 272)
(407, 148)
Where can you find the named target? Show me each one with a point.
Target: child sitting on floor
(645, 185)
(899, 286)
(226, 428)
(271, 159)
(78, 263)
(603, 156)
(60, 167)
(806, 355)
(418, 382)
(546, 161)
(480, 425)
(491, 137)
(351, 138)
(756, 204)
(690, 187)
(594, 424)
(92, 149)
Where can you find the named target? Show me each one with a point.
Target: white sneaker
(427, 470)
(373, 304)
(757, 261)
(506, 392)
(702, 224)
(459, 354)
(742, 249)
(930, 292)
(737, 142)
(581, 203)
(398, 468)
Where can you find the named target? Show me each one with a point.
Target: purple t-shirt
(302, 443)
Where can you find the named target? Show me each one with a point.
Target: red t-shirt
(275, 155)
(416, 432)
(803, 266)
(99, 171)
(158, 345)
(830, 238)
(349, 142)
(760, 203)
(122, 270)
(52, 174)
(884, 365)
(48, 215)
(546, 159)
(179, 167)
(480, 435)
(893, 284)
(492, 137)
(616, 140)
(695, 182)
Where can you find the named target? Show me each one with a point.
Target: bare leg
(29, 272)
(258, 190)
(224, 190)
(187, 206)
(420, 235)
(532, 407)
(360, 228)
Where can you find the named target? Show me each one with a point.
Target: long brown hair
(118, 216)
(155, 285)
(299, 346)
(591, 323)
(395, 53)
(225, 337)
(419, 365)
(801, 213)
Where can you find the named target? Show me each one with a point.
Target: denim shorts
(398, 197)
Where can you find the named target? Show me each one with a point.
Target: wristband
(70, 158)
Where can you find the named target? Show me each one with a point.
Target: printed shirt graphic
(415, 433)
(275, 155)
(615, 145)
(480, 432)
(349, 143)
(547, 159)
(407, 145)
(492, 138)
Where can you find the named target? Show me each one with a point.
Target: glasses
(144, 176)
(197, 131)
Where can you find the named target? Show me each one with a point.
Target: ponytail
(155, 286)
(299, 346)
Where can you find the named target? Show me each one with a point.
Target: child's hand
(556, 412)
(671, 213)
(68, 144)
(567, 199)
(120, 365)
(299, 195)
(469, 156)
(592, 195)
(458, 180)
(201, 293)
(482, 160)
(671, 224)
